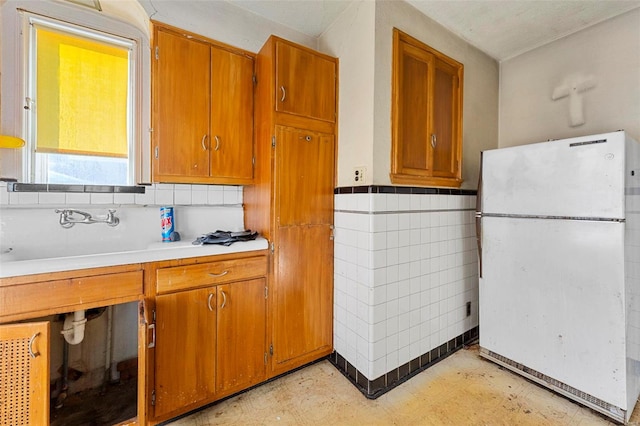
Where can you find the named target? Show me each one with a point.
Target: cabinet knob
(434, 140)
(204, 147)
(217, 139)
(284, 93)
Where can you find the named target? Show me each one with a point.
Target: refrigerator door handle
(479, 241)
(479, 218)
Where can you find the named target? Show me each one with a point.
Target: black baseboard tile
(373, 389)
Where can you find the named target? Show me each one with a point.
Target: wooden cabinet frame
(426, 115)
(33, 296)
(218, 286)
(291, 203)
(38, 295)
(202, 109)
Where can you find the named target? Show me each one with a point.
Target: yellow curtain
(81, 99)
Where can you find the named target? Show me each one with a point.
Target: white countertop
(154, 253)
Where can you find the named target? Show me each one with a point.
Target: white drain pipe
(73, 328)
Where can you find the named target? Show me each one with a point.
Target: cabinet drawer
(211, 273)
(75, 293)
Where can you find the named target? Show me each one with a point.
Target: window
(79, 95)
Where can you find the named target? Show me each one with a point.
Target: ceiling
(500, 28)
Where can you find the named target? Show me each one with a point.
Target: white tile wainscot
(405, 268)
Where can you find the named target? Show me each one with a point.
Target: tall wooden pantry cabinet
(291, 203)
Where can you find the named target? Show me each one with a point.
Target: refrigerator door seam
(526, 216)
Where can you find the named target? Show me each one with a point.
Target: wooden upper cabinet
(305, 82)
(426, 115)
(231, 115)
(181, 90)
(202, 110)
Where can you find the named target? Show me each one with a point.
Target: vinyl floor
(463, 389)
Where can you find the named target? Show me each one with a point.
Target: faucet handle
(112, 220)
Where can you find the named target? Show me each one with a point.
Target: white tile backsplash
(29, 224)
(51, 198)
(121, 198)
(421, 267)
(182, 195)
(99, 198)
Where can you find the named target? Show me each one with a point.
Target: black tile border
(44, 187)
(387, 189)
(373, 389)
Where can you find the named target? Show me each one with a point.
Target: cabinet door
(24, 374)
(303, 286)
(426, 115)
(305, 83)
(446, 117)
(181, 90)
(185, 349)
(302, 294)
(305, 163)
(413, 103)
(231, 115)
(241, 335)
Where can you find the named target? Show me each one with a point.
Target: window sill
(44, 187)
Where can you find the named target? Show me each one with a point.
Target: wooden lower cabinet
(24, 374)
(185, 349)
(302, 296)
(241, 354)
(211, 341)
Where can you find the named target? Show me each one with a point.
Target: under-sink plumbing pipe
(73, 328)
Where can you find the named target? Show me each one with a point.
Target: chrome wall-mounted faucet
(68, 218)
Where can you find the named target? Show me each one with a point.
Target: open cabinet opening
(94, 366)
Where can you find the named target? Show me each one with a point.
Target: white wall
(480, 98)
(365, 105)
(609, 51)
(350, 39)
(223, 22)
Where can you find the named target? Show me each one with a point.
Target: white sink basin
(17, 264)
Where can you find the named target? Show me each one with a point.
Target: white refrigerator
(559, 245)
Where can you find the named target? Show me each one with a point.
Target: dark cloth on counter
(225, 238)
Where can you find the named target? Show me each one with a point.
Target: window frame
(13, 76)
(30, 23)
